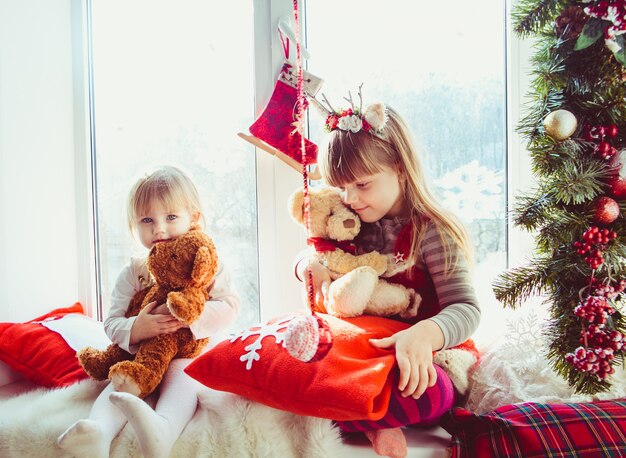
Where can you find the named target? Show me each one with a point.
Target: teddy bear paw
(125, 383)
(179, 307)
(414, 304)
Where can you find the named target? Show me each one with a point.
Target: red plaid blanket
(594, 429)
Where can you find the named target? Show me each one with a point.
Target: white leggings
(177, 402)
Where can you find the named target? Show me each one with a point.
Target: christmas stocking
(275, 126)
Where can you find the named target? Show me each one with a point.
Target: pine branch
(532, 210)
(549, 157)
(515, 286)
(530, 16)
(579, 182)
(559, 231)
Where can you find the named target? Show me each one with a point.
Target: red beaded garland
(313, 330)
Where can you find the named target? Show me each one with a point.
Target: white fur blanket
(224, 425)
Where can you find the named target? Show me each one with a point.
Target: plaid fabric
(380, 236)
(594, 429)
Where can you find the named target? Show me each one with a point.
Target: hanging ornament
(618, 187)
(617, 182)
(308, 338)
(275, 130)
(560, 124)
(606, 210)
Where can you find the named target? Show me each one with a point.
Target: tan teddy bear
(357, 288)
(182, 270)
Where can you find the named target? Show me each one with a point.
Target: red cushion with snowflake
(352, 382)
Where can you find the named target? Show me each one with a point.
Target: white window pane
(172, 85)
(442, 67)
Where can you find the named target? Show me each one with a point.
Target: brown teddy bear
(357, 288)
(182, 270)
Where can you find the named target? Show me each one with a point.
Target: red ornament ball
(308, 338)
(618, 187)
(606, 210)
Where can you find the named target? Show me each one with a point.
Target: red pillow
(39, 354)
(352, 382)
(593, 429)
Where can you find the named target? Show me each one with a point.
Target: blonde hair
(167, 185)
(351, 156)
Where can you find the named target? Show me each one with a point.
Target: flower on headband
(350, 121)
(372, 119)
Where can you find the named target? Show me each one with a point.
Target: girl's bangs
(349, 159)
(158, 192)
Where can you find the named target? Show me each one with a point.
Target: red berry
(603, 148)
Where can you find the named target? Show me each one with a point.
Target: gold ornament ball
(560, 124)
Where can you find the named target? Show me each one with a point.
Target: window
(445, 74)
(173, 83)
(181, 89)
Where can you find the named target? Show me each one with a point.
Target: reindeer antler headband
(354, 119)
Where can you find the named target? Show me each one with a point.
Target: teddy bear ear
(204, 265)
(296, 206)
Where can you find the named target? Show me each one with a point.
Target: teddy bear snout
(348, 223)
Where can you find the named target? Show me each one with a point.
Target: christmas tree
(575, 128)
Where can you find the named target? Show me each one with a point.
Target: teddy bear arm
(342, 262)
(338, 261)
(373, 259)
(186, 305)
(96, 363)
(137, 301)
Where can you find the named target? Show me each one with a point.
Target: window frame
(279, 238)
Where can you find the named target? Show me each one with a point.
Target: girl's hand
(147, 324)
(414, 353)
(321, 281)
(161, 310)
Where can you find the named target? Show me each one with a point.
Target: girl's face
(160, 224)
(375, 196)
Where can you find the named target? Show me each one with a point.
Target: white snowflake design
(276, 330)
(525, 342)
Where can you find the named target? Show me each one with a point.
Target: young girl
(376, 167)
(162, 205)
